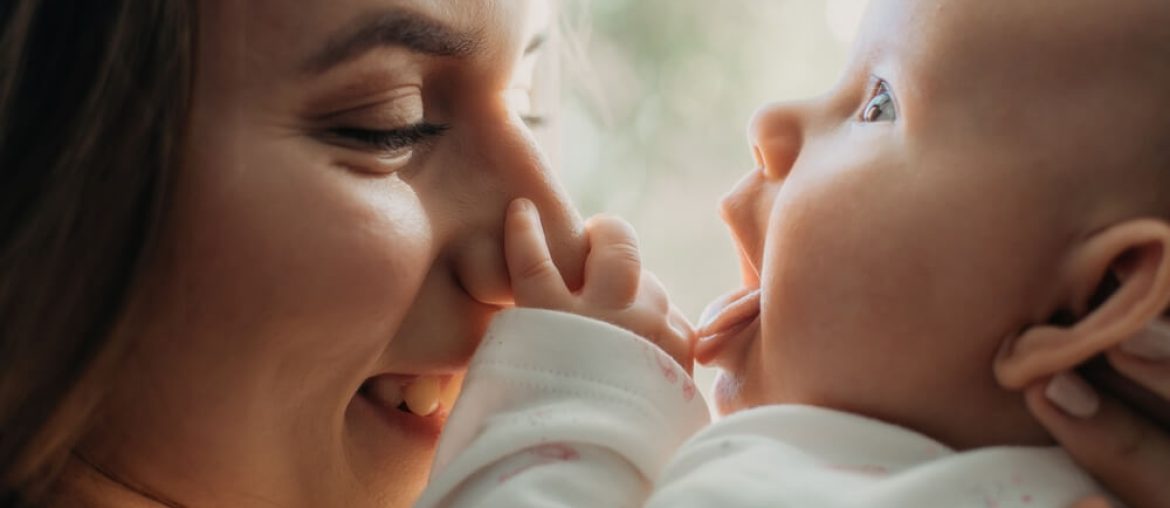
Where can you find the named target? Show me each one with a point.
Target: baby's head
(981, 203)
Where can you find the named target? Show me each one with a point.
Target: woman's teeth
(451, 391)
(387, 393)
(421, 395)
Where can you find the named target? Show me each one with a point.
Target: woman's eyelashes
(880, 106)
(391, 143)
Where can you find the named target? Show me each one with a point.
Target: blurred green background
(655, 99)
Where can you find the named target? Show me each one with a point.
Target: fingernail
(1073, 395)
(520, 206)
(1153, 343)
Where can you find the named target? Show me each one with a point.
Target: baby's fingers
(685, 331)
(614, 266)
(536, 282)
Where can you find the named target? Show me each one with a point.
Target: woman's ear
(1116, 282)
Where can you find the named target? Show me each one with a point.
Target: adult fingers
(1145, 359)
(535, 279)
(1093, 502)
(1125, 452)
(614, 267)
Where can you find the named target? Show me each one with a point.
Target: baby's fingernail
(521, 205)
(1073, 395)
(1153, 343)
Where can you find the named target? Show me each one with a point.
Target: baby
(981, 203)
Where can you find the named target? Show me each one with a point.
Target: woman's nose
(776, 137)
(512, 166)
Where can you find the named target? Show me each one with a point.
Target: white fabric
(563, 411)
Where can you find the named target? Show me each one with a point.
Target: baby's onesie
(563, 411)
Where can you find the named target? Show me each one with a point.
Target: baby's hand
(616, 289)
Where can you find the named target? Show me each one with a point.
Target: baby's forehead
(1034, 71)
(1033, 42)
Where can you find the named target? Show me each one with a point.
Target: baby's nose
(776, 137)
(745, 210)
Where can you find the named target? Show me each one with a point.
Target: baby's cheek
(826, 298)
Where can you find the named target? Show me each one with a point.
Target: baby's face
(902, 225)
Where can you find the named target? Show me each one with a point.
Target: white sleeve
(562, 410)
(804, 457)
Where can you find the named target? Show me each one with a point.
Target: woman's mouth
(420, 395)
(725, 319)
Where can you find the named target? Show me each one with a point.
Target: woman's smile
(418, 404)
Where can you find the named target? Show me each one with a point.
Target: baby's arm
(561, 408)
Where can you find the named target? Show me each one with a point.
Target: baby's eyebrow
(393, 27)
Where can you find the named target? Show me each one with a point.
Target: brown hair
(93, 99)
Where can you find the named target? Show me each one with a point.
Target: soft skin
(910, 261)
(299, 263)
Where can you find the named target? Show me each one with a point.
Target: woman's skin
(302, 259)
(1121, 448)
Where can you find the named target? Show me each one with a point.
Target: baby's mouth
(420, 395)
(725, 319)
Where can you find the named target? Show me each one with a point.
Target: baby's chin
(738, 388)
(728, 393)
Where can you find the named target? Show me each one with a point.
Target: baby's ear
(1116, 282)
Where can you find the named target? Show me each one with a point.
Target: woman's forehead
(295, 34)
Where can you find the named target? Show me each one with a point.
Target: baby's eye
(881, 106)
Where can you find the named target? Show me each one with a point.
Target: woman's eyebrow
(395, 27)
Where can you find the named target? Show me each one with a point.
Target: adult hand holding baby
(1124, 449)
(616, 289)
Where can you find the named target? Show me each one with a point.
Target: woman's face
(334, 238)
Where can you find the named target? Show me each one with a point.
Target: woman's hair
(94, 95)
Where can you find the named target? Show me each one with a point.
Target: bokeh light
(652, 121)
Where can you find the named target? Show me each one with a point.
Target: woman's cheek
(374, 255)
(308, 251)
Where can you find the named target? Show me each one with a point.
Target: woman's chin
(391, 448)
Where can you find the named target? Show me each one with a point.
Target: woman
(246, 245)
(325, 230)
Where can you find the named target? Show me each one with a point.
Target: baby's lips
(716, 307)
(728, 309)
(725, 319)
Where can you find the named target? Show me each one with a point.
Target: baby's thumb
(536, 282)
(614, 268)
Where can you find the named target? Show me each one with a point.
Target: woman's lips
(422, 395)
(406, 406)
(723, 320)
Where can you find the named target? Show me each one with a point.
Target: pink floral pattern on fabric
(543, 455)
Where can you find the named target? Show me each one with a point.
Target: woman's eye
(394, 142)
(881, 106)
(520, 101)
